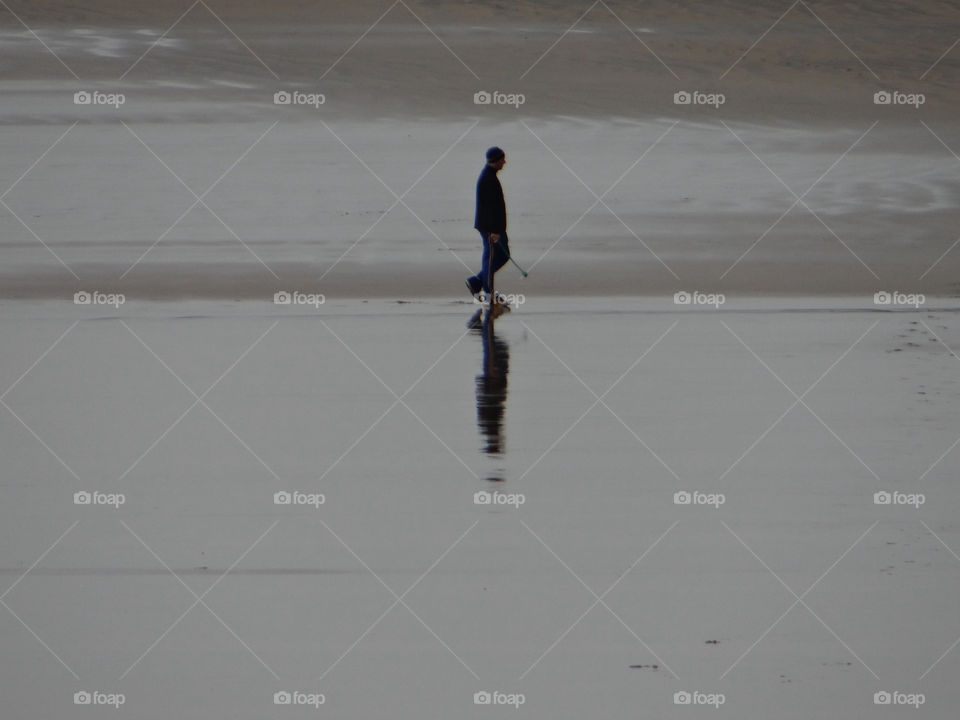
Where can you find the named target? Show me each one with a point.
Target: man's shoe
(474, 290)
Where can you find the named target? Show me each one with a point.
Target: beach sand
(740, 324)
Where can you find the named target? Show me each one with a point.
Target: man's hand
(494, 237)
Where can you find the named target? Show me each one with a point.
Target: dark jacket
(491, 214)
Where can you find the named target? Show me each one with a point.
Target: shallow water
(576, 420)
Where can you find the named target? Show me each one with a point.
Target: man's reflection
(491, 384)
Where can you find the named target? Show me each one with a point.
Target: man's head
(496, 158)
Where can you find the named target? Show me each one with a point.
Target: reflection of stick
(522, 271)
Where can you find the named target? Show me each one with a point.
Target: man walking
(491, 222)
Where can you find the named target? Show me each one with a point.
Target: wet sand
(306, 400)
(384, 209)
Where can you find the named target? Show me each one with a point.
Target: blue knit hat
(494, 154)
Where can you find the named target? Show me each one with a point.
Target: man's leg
(485, 264)
(495, 256)
(478, 282)
(502, 254)
(498, 256)
(489, 257)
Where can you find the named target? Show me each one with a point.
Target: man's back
(491, 215)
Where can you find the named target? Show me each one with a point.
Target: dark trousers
(500, 255)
